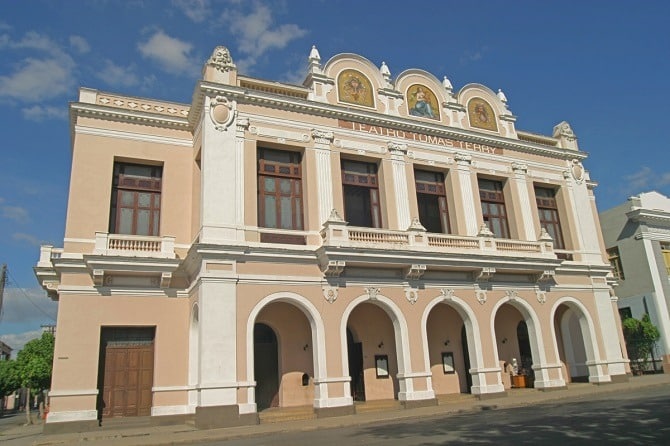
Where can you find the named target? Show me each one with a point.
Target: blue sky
(603, 66)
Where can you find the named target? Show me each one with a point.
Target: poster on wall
(382, 366)
(448, 362)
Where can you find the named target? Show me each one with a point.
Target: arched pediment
(423, 93)
(483, 108)
(356, 80)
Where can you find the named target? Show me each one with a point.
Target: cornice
(369, 117)
(654, 216)
(123, 115)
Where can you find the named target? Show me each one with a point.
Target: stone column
(398, 152)
(322, 140)
(222, 172)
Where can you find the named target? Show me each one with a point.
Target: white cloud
(16, 341)
(171, 53)
(79, 44)
(196, 10)
(641, 179)
(23, 237)
(118, 76)
(44, 75)
(27, 305)
(256, 32)
(644, 179)
(16, 213)
(42, 113)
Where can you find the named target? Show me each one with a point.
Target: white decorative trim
(247, 408)
(332, 379)
(72, 415)
(333, 402)
(172, 388)
(416, 395)
(143, 137)
(412, 295)
(415, 375)
(359, 146)
(280, 135)
(82, 392)
(372, 292)
(330, 293)
(183, 409)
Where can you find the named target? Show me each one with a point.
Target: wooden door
(128, 378)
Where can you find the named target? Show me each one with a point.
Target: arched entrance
(374, 334)
(283, 357)
(448, 351)
(514, 344)
(266, 366)
(571, 343)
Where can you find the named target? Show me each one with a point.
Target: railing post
(101, 239)
(45, 256)
(417, 233)
(335, 230)
(546, 242)
(486, 240)
(167, 247)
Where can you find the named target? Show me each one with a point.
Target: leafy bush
(641, 337)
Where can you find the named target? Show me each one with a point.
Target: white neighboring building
(637, 238)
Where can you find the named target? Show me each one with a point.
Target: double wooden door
(128, 378)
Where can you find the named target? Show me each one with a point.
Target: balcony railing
(134, 245)
(336, 232)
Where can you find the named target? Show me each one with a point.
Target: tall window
(136, 199)
(361, 194)
(493, 207)
(548, 213)
(615, 260)
(279, 189)
(432, 201)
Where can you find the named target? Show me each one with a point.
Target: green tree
(9, 380)
(641, 337)
(34, 363)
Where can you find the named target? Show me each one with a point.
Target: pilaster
(464, 181)
(398, 152)
(519, 185)
(322, 141)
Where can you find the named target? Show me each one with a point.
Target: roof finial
(447, 84)
(386, 73)
(314, 54)
(502, 96)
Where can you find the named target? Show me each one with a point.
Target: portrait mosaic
(481, 115)
(421, 101)
(354, 88)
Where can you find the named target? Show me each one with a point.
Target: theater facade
(359, 237)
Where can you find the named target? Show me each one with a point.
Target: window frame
(358, 182)
(490, 198)
(432, 190)
(614, 259)
(549, 204)
(122, 184)
(280, 171)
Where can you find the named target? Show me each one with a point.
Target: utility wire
(16, 284)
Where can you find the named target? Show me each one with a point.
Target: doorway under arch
(266, 366)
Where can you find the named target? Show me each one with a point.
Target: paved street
(632, 418)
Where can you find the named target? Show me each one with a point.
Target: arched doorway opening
(288, 356)
(373, 340)
(355, 352)
(514, 346)
(448, 352)
(266, 366)
(571, 344)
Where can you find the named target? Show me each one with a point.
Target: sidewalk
(184, 434)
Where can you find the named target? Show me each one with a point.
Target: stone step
(282, 414)
(377, 406)
(454, 398)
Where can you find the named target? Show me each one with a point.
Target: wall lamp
(381, 344)
(504, 341)
(305, 347)
(447, 342)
